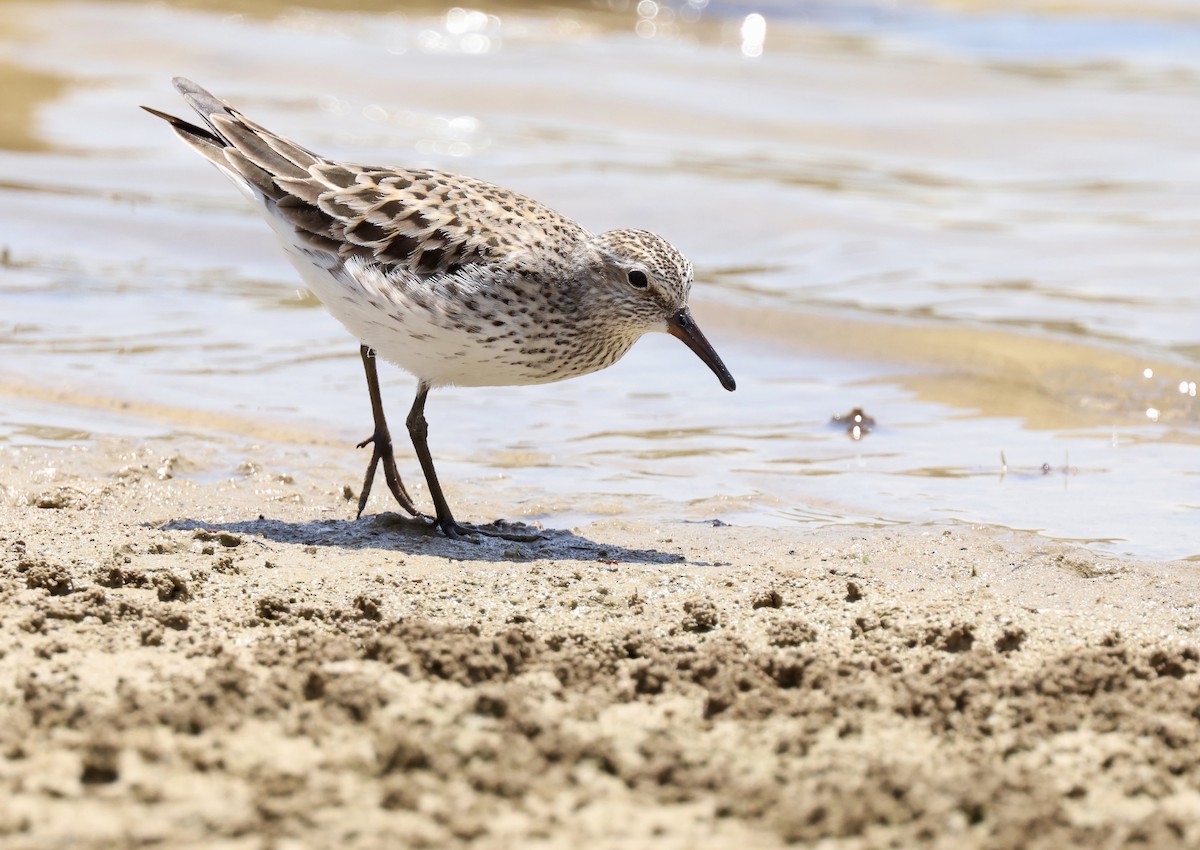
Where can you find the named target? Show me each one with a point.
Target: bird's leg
(418, 429)
(381, 443)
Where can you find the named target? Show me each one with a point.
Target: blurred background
(976, 222)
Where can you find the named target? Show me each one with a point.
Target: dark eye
(637, 279)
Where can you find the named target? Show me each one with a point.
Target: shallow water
(977, 225)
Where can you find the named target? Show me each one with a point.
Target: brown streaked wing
(428, 222)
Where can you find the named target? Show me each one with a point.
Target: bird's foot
(381, 452)
(520, 532)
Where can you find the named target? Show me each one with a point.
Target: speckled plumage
(455, 280)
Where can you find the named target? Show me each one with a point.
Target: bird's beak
(683, 326)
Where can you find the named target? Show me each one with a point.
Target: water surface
(976, 224)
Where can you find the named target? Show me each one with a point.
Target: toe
(456, 531)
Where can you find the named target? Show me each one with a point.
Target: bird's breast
(485, 329)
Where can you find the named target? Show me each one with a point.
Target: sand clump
(185, 665)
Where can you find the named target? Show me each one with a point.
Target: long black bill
(683, 326)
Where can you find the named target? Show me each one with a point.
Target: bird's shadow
(393, 532)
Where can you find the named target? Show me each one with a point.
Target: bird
(455, 280)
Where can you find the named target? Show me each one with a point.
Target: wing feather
(425, 222)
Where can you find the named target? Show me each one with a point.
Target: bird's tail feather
(246, 152)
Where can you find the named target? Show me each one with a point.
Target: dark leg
(381, 443)
(418, 429)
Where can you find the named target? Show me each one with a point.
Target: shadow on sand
(398, 533)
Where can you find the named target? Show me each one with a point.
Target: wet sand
(230, 661)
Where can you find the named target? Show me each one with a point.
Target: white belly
(418, 336)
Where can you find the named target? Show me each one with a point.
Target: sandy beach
(742, 627)
(222, 657)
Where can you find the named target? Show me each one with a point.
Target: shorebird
(455, 280)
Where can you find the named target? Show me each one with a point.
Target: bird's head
(644, 282)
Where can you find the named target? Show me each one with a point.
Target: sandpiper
(453, 279)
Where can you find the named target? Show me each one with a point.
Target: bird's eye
(637, 279)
